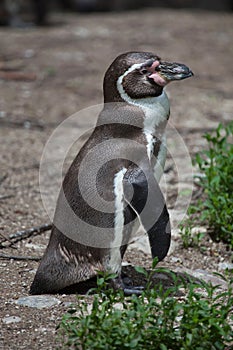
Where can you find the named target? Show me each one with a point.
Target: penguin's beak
(173, 71)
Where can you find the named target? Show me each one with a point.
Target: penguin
(112, 185)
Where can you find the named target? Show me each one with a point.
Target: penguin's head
(140, 75)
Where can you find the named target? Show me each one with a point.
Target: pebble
(29, 53)
(2, 114)
(175, 233)
(67, 303)
(225, 266)
(82, 32)
(204, 275)
(11, 319)
(38, 301)
(39, 247)
(196, 230)
(175, 259)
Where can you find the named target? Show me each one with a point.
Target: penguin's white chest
(156, 114)
(156, 111)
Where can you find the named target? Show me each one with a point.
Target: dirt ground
(46, 75)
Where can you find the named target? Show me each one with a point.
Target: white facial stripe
(120, 79)
(114, 264)
(147, 102)
(156, 110)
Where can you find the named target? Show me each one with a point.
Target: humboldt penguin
(112, 185)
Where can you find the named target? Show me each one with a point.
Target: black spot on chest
(156, 146)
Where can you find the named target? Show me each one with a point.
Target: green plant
(155, 320)
(190, 238)
(215, 208)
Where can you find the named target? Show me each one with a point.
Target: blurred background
(19, 12)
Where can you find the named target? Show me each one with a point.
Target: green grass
(215, 207)
(158, 319)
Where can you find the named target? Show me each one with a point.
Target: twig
(198, 184)
(198, 194)
(6, 196)
(25, 124)
(16, 257)
(20, 235)
(18, 76)
(7, 239)
(3, 178)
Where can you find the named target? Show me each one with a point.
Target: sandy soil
(46, 75)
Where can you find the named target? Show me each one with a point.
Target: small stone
(175, 233)
(82, 32)
(200, 229)
(67, 304)
(175, 259)
(43, 329)
(89, 308)
(38, 301)
(39, 247)
(27, 124)
(225, 266)
(2, 114)
(118, 306)
(11, 319)
(29, 53)
(204, 275)
(162, 276)
(126, 263)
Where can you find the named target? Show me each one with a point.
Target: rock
(198, 229)
(29, 53)
(11, 319)
(67, 303)
(39, 247)
(38, 301)
(2, 114)
(175, 233)
(203, 275)
(225, 266)
(175, 259)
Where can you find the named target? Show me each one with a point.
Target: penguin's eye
(144, 71)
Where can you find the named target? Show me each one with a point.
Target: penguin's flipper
(143, 195)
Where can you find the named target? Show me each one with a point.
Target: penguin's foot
(125, 284)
